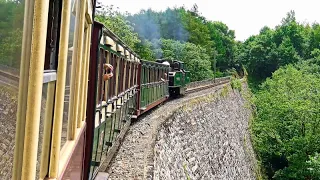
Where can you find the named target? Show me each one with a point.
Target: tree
(287, 53)
(288, 43)
(286, 129)
(11, 28)
(224, 44)
(117, 23)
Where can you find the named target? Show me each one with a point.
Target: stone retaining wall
(207, 139)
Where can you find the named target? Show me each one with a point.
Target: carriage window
(120, 83)
(148, 75)
(135, 74)
(132, 75)
(68, 75)
(155, 74)
(152, 74)
(117, 72)
(176, 66)
(46, 116)
(106, 83)
(11, 32)
(143, 75)
(113, 79)
(109, 87)
(100, 60)
(127, 74)
(52, 36)
(83, 74)
(182, 66)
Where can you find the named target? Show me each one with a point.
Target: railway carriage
(136, 87)
(152, 85)
(68, 116)
(111, 104)
(51, 124)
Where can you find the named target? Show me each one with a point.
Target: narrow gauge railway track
(199, 88)
(9, 79)
(8, 75)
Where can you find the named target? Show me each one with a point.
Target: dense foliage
(286, 129)
(11, 18)
(289, 42)
(117, 23)
(176, 33)
(189, 26)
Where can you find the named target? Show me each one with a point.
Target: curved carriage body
(135, 88)
(68, 116)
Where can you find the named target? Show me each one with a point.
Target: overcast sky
(246, 17)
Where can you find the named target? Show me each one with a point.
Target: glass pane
(99, 77)
(68, 76)
(117, 123)
(11, 30)
(95, 146)
(47, 102)
(100, 140)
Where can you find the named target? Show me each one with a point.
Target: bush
(219, 74)
(314, 165)
(236, 83)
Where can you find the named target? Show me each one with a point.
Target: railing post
(23, 86)
(39, 35)
(60, 90)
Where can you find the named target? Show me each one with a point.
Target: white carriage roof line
(110, 38)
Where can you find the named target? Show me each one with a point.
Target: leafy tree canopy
(286, 129)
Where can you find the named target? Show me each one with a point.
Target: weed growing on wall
(236, 84)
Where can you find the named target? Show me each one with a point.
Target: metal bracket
(95, 163)
(108, 143)
(49, 77)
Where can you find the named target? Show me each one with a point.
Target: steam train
(136, 87)
(68, 116)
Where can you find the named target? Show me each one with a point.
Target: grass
(193, 102)
(236, 84)
(186, 172)
(224, 91)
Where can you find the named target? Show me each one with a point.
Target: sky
(246, 17)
